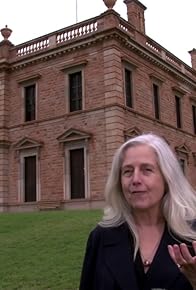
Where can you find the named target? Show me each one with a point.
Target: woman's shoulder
(99, 231)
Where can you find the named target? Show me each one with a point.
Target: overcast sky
(171, 23)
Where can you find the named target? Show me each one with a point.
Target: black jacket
(109, 265)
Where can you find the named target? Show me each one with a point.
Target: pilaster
(5, 46)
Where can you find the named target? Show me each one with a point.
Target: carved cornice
(73, 64)
(130, 62)
(156, 77)
(179, 90)
(157, 61)
(28, 78)
(115, 33)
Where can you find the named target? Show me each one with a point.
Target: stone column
(114, 100)
(5, 46)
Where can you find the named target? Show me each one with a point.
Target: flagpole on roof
(76, 11)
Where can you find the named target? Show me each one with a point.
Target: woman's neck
(148, 219)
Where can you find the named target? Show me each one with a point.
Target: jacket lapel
(119, 257)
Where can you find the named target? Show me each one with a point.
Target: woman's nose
(136, 177)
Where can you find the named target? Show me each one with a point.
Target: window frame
(126, 65)
(24, 101)
(75, 99)
(182, 153)
(71, 70)
(156, 101)
(194, 117)
(178, 110)
(21, 186)
(130, 96)
(67, 183)
(158, 81)
(183, 160)
(26, 81)
(178, 94)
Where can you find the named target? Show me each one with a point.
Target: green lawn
(43, 250)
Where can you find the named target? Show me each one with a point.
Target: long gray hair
(178, 204)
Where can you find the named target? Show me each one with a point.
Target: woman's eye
(127, 172)
(147, 169)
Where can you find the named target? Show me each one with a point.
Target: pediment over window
(71, 135)
(157, 78)
(27, 143)
(28, 78)
(132, 132)
(129, 64)
(183, 149)
(179, 90)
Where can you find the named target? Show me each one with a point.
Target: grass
(44, 250)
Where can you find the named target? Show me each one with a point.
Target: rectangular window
(182, 164)
(77, 176)
(178, 111)
(128, 88)
(156, 101)
(29, 99)
(75, 91)
(194, 118)
(30, 178)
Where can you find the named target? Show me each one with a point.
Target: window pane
(30, 178)
(75, 91)
(194, 118)
(77, 173)
(156, 100)
(128, 88)
(178, 111)
(29, 103)
(182, 164)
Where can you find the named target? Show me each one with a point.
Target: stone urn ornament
(109, 3)
(6, 32)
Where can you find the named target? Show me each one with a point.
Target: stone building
(68, 99)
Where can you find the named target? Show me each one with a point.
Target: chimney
(135, 14)
(193, 58)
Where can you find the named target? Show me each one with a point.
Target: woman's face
(141, 179)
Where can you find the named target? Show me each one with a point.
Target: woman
(147, 237)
